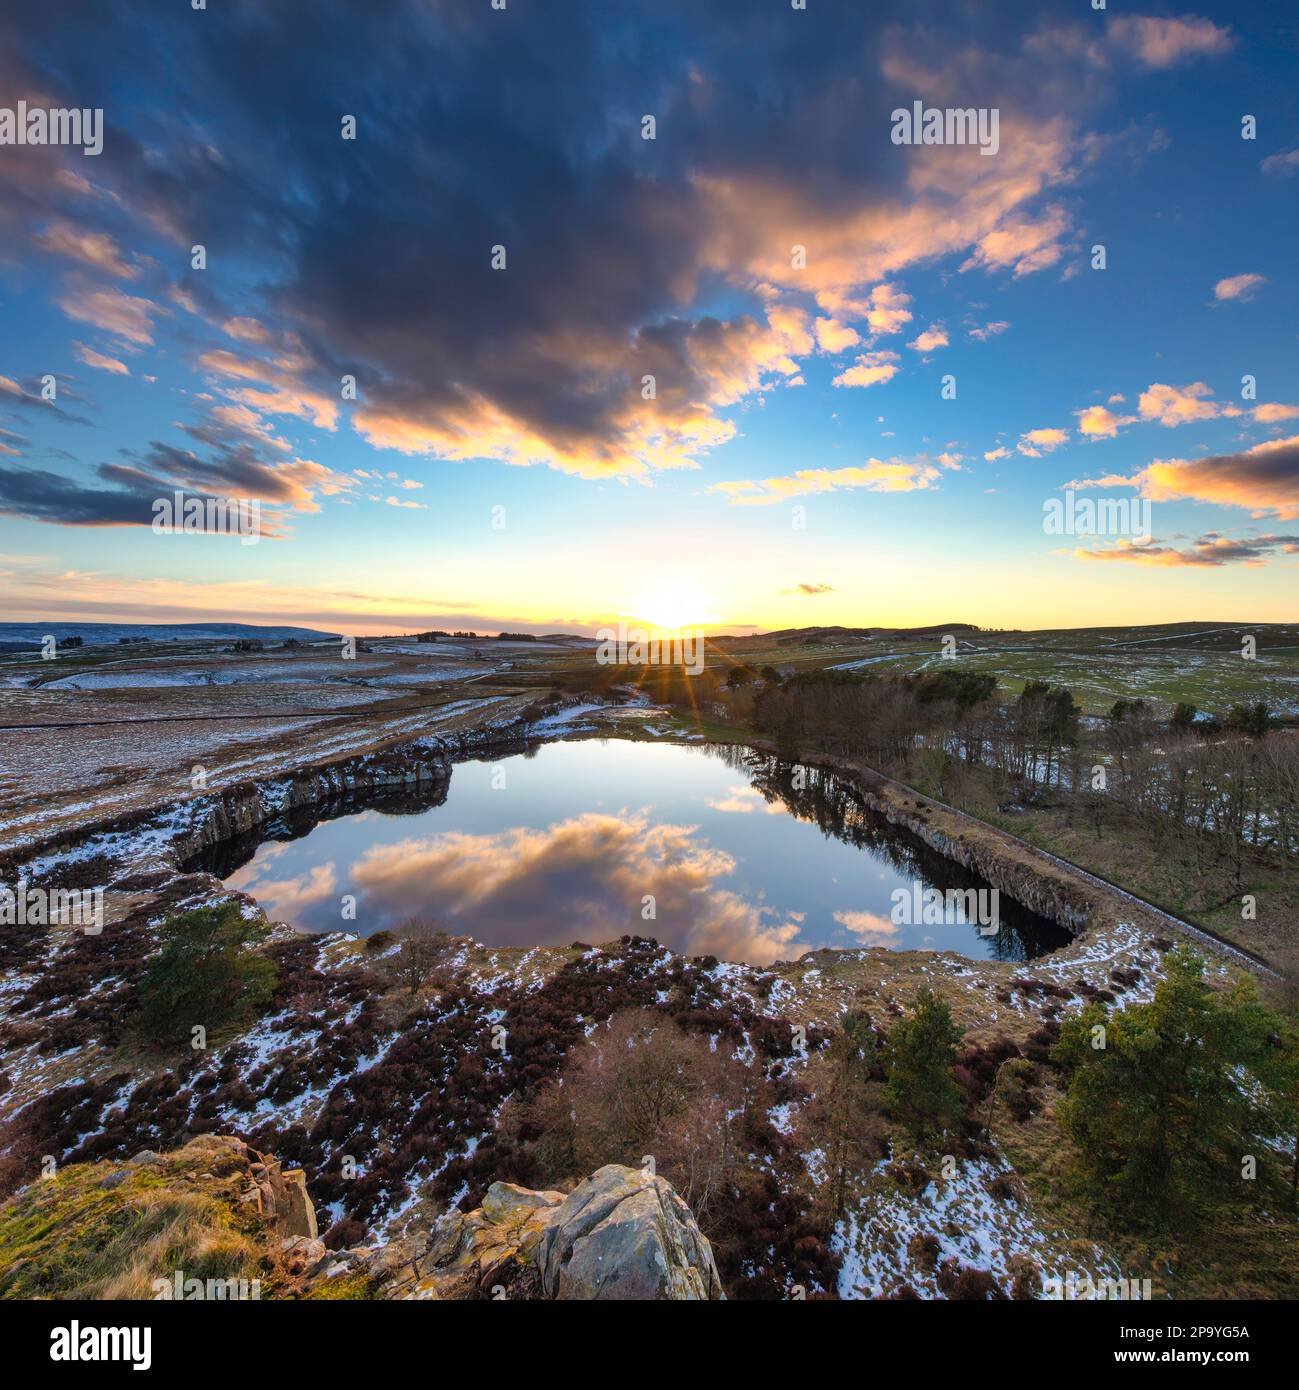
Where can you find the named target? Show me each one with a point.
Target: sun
(673, 606)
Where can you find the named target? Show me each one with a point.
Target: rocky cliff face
(241, 809)
(621, 1234)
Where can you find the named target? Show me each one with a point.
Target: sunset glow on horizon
(701, 344)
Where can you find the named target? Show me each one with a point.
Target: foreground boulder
(621, 1234)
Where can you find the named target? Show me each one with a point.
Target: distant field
(1196, 662)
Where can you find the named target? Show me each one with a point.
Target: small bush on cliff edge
(206, 974)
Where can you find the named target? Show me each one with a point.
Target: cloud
(277, 386)
(16, 395)
(871, 369)
(97, 359)
(871, 925)
(1269, 412)
(744, 800)
(1282, 164)
(874, 476)
(885, 309)
(1035, 443)
(1000, 452)
(94, 249)
(125, 316)
(1169, 406)
(619, 250)
(1210, 551)
(833, 336)
(1243, 287)
(1022, 244)
(502, 887)
(1176, 405)
(935, 336)
(291, 898)
(234, 464)
(989, 330)
(1097, 422)
(1166, 43)
(1264, 479)
(815, 588)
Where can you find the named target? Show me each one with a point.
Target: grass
(1199, 663)
(69, 1236)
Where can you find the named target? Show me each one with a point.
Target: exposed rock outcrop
(621, 1234)
(242, 809)
(278, 1195)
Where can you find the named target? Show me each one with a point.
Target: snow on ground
(997, 1234)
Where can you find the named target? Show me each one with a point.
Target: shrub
(921, 1092)
(205, 974)
(924, 1250)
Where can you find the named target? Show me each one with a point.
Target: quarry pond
(712, 851)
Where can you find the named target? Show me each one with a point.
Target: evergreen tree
(921, 1092)
(206, 974)
(1166, 1099)
(1183, 720)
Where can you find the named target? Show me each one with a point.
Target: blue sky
(798, 464)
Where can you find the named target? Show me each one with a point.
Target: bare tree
(423, 945)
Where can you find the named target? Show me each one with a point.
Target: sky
(487, 357)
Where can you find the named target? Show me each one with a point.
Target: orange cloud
(97, 360)
(935, 336)
(97, 250)
(1035, 443)
(1210, 551)
(1264, 479)
(1239, 287)
(502, 887)
(833, 336)
(1164, 43)
(874, 476)
(124, 316)
(871, 369)
(871, 925)
(1099, 423)
(1176, 405)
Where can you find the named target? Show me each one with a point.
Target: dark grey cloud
(520, 128)
(1210, 551)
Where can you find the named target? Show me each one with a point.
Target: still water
(581, 841)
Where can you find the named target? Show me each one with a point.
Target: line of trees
(1216, 790)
